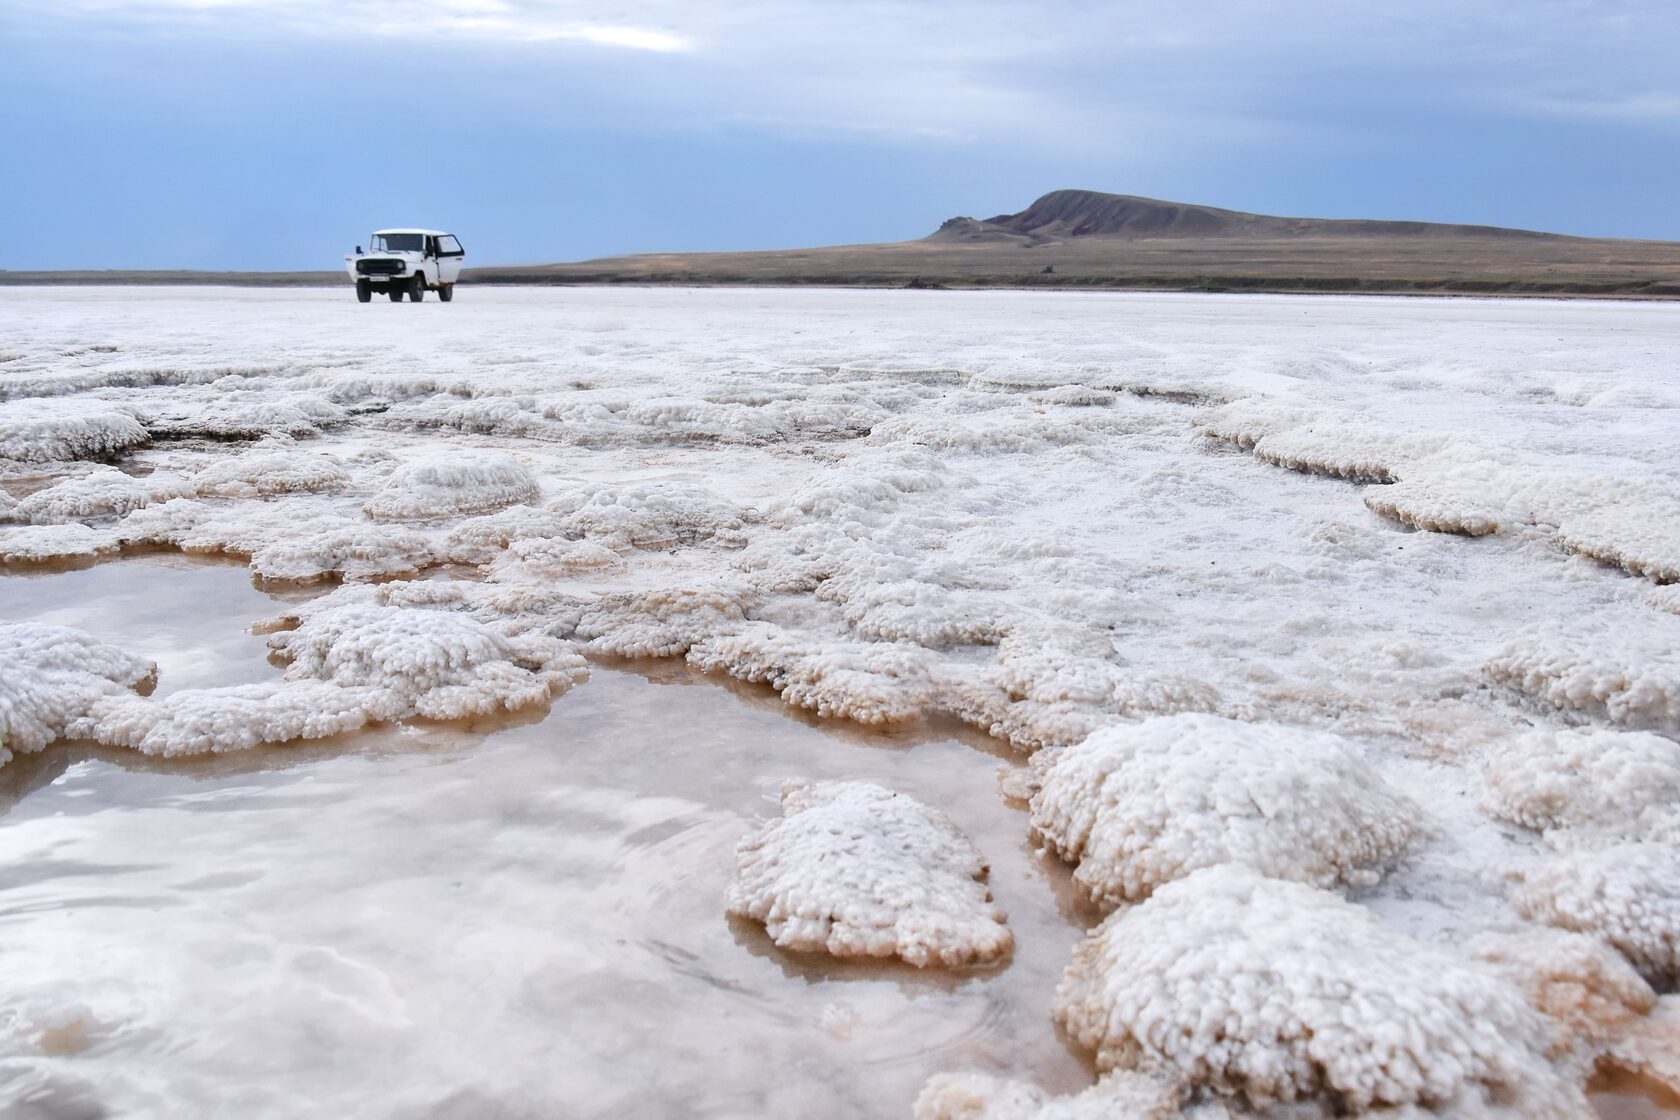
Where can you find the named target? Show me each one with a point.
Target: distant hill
(1061, 215)
(1092, 240)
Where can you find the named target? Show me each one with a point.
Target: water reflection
(514, 917)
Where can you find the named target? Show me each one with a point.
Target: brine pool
(511, 918)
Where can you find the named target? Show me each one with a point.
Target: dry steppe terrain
(1088, 239)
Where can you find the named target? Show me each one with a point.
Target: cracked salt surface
(1436, 534)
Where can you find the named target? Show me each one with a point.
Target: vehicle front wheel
(417, 287)
(395, 293)
(364, 290)
(446, 292)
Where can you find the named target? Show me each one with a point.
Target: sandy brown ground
(1091, 239)
(1469, 265)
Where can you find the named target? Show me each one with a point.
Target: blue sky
(276, 133)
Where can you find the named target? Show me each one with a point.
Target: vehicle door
(449, 258)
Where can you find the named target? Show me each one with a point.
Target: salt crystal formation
(1237, 983)
(1460, 484)
(104, 493)
(1140, 805)
(52, 677)
(351, 663)
(855, 870)
(1627, 894)
(1116, 1096)
(454, 483)
(38, 431)
(1413, 659)
(277, 467)
(1625, 669)
(1625, 784)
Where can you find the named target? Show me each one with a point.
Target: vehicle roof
(429, 232)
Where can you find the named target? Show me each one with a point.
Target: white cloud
(484, 20)
(1105, 78)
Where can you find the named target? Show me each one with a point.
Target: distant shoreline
(581, 276)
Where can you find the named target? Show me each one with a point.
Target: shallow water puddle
(520, 917)
(190, 614)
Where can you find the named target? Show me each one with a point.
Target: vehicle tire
(446, 292)
(417, 287)
(394, 292)
(364, 290)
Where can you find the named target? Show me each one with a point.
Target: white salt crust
(1230, 981)
(1620, 784)
(29, 544)
(350, 663)
(1115, 1096)
(1465, 484)
(1626, 894)
(458, 482)
(102, 493)
(1623, 667)
(1140, 805)
(1000, 509)
(51, 677)
(855, 870)
(37, 431)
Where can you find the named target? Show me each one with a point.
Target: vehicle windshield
(398, 242)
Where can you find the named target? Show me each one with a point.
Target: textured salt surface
(520, 916)
(1436, 530)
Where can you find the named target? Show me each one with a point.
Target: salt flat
(1416, 556)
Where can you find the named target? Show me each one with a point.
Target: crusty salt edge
(1626, 894)
(1235, 983)
(1620, 667)
(1447, 483)
(855, 870)
(1605, 783)
(1139, 805)
(44, 430)
(453, 483)
(349, 663)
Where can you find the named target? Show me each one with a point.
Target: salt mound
(1584, 987)
(436, 664)
(1621, 783)
(665, 622)
(34, 544)
(855, 870)
(1309, 440)
(1466, 500)
(216, 413)
(103, 493)
(300, 545)
(453, 482)
(51, 676)
(1115, 1096)
(262, 472)
(215, 720)
(41, 430)
(1140, 805)
(547, 559)
(354, 659)
(632, 516)
(1352, 451)
(868, 682)
(1626, 669)
(1639, 536)
(1242, 984)
(1628, 894)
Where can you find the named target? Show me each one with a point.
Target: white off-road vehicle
(407, 262)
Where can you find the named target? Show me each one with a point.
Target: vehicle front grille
(378, 267)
